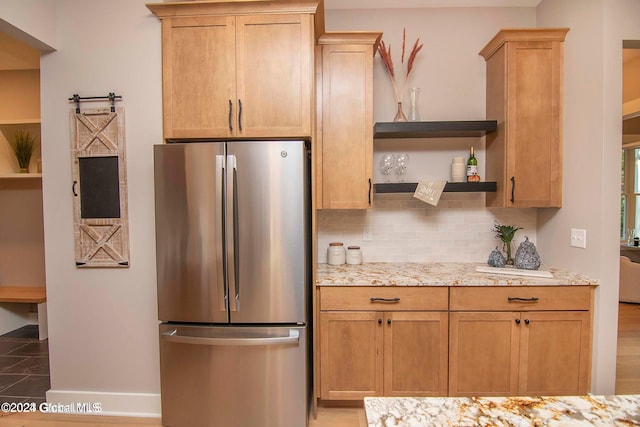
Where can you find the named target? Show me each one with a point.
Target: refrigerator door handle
(222, 293)
(172, 336)
(232, 232)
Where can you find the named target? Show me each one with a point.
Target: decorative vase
(414, 114)
(24, 170)
(507, 248)
(400, 117)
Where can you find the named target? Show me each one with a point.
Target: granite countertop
(436, 274)
(622, 410)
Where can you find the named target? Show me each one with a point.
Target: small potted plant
(506, 233)
(24, 145)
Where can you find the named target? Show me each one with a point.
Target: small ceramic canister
(354, 255)
(458, 170)
(336, 254)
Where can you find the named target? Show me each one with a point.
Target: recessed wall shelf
(450, 187)
(19, 122)
(22, 176)
(446, 129)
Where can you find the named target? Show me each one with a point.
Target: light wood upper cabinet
(344, 156)
(544, 349)
(525, 96)
(237, 69)
(275, 75)
(198, 62)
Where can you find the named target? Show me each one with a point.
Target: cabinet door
(275, 74)
(415, 353)
(534, 116)
(350, 355)
(347, 127)
(555, 353)
(525, 96)
(483, 354)
(198, 78)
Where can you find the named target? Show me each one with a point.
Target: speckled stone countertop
(623, 410)
(436, 274)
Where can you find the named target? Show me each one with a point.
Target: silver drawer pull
(513, 299)
(378, 299)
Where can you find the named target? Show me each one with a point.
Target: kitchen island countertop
(437, 274)
(622, 410)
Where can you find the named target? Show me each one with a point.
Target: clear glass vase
(400, 117)
(414, 114)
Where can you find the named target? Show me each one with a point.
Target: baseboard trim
(145, 405)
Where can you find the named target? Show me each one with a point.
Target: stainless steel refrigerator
(232, 245)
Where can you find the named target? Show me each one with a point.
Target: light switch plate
(367, 233)
(579, 238)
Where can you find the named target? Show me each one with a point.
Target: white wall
(451, 77)
(103, 322)
(30, 21)
(592, 136)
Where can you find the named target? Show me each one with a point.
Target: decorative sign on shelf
(101, 222)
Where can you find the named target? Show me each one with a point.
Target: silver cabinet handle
(292, 338)
(230, 116)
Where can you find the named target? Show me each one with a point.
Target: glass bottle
(472, 165)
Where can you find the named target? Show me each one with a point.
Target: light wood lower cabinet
(415, 353)
(351, 355)
(379, 351)
(458, 341)
(502, 353)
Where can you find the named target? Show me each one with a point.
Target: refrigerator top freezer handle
(292, 338)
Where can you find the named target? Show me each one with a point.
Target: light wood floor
(628, 360)
(627, 382)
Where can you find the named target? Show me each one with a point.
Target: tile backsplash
(404, 229)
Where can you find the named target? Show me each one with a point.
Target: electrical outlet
(367, 233)
(578, 238)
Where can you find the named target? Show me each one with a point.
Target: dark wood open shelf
(441, 129)
(451, 187)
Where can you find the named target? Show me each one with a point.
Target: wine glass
(631, 233)
(402, 161)
(387, 163)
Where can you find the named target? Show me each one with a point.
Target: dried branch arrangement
(385, 54)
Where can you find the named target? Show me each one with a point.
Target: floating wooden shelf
(450, 187)
(446, 129)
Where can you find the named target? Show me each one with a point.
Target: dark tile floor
(24, 366)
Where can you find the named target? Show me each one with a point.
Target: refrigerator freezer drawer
(234, 376)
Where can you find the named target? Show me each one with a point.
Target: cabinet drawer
(384, 298)
(521, 298)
